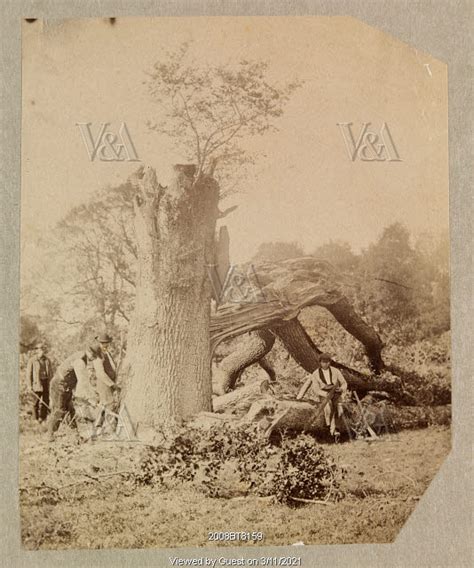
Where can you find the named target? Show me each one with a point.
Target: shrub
(294, 470)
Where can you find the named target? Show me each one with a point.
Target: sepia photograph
(235, 283)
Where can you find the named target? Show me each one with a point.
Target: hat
(92, 352)
(325, 357)
(103, 338)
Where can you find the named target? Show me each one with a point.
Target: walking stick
(120, 357)
(373, 435)
(42, 401)
(323, 405)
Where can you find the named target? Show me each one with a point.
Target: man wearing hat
(71, 377)
(324, 380)
(38, 375)
(105, 371)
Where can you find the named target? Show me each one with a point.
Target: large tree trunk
(168, 356)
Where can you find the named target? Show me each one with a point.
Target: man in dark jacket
(72, 373)
(105, 372)
(38, 376)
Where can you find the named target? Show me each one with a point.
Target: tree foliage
(279, 250)
(96, 243)
(87, 281)
(338, 253)
(209, 111)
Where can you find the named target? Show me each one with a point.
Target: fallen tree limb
(240, 399)
(253, 350)
(284, 289)
(252, 406)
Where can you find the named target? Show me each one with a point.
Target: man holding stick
(38, 376)
(72, 373)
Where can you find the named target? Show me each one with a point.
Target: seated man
(323, 381)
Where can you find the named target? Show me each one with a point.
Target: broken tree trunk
(284, 289)
(301, 347)
(167, 371)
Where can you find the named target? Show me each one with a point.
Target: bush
(294, 470)
(426, 366)
(305, 472)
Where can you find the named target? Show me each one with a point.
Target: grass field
(78, 496)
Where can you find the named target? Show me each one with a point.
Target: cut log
(240, 399)
(278, 415)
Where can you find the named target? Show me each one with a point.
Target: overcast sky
(307, 189)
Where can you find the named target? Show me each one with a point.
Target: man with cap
(38, 376)
(105, 372)
(71, 377)
(325, 380)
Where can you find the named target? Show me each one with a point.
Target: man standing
(323, 381)
(72, 373)
(105, 371)
(38, 376)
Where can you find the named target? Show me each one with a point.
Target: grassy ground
(74, 496)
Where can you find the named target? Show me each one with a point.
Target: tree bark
(301, 347)
(167, 371)
(239, 400)
(275, 414)
(255, 346)
(279, 415)
(298, 344)
(345, 314)
(303, 350)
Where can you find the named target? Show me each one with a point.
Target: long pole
(42, 401)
